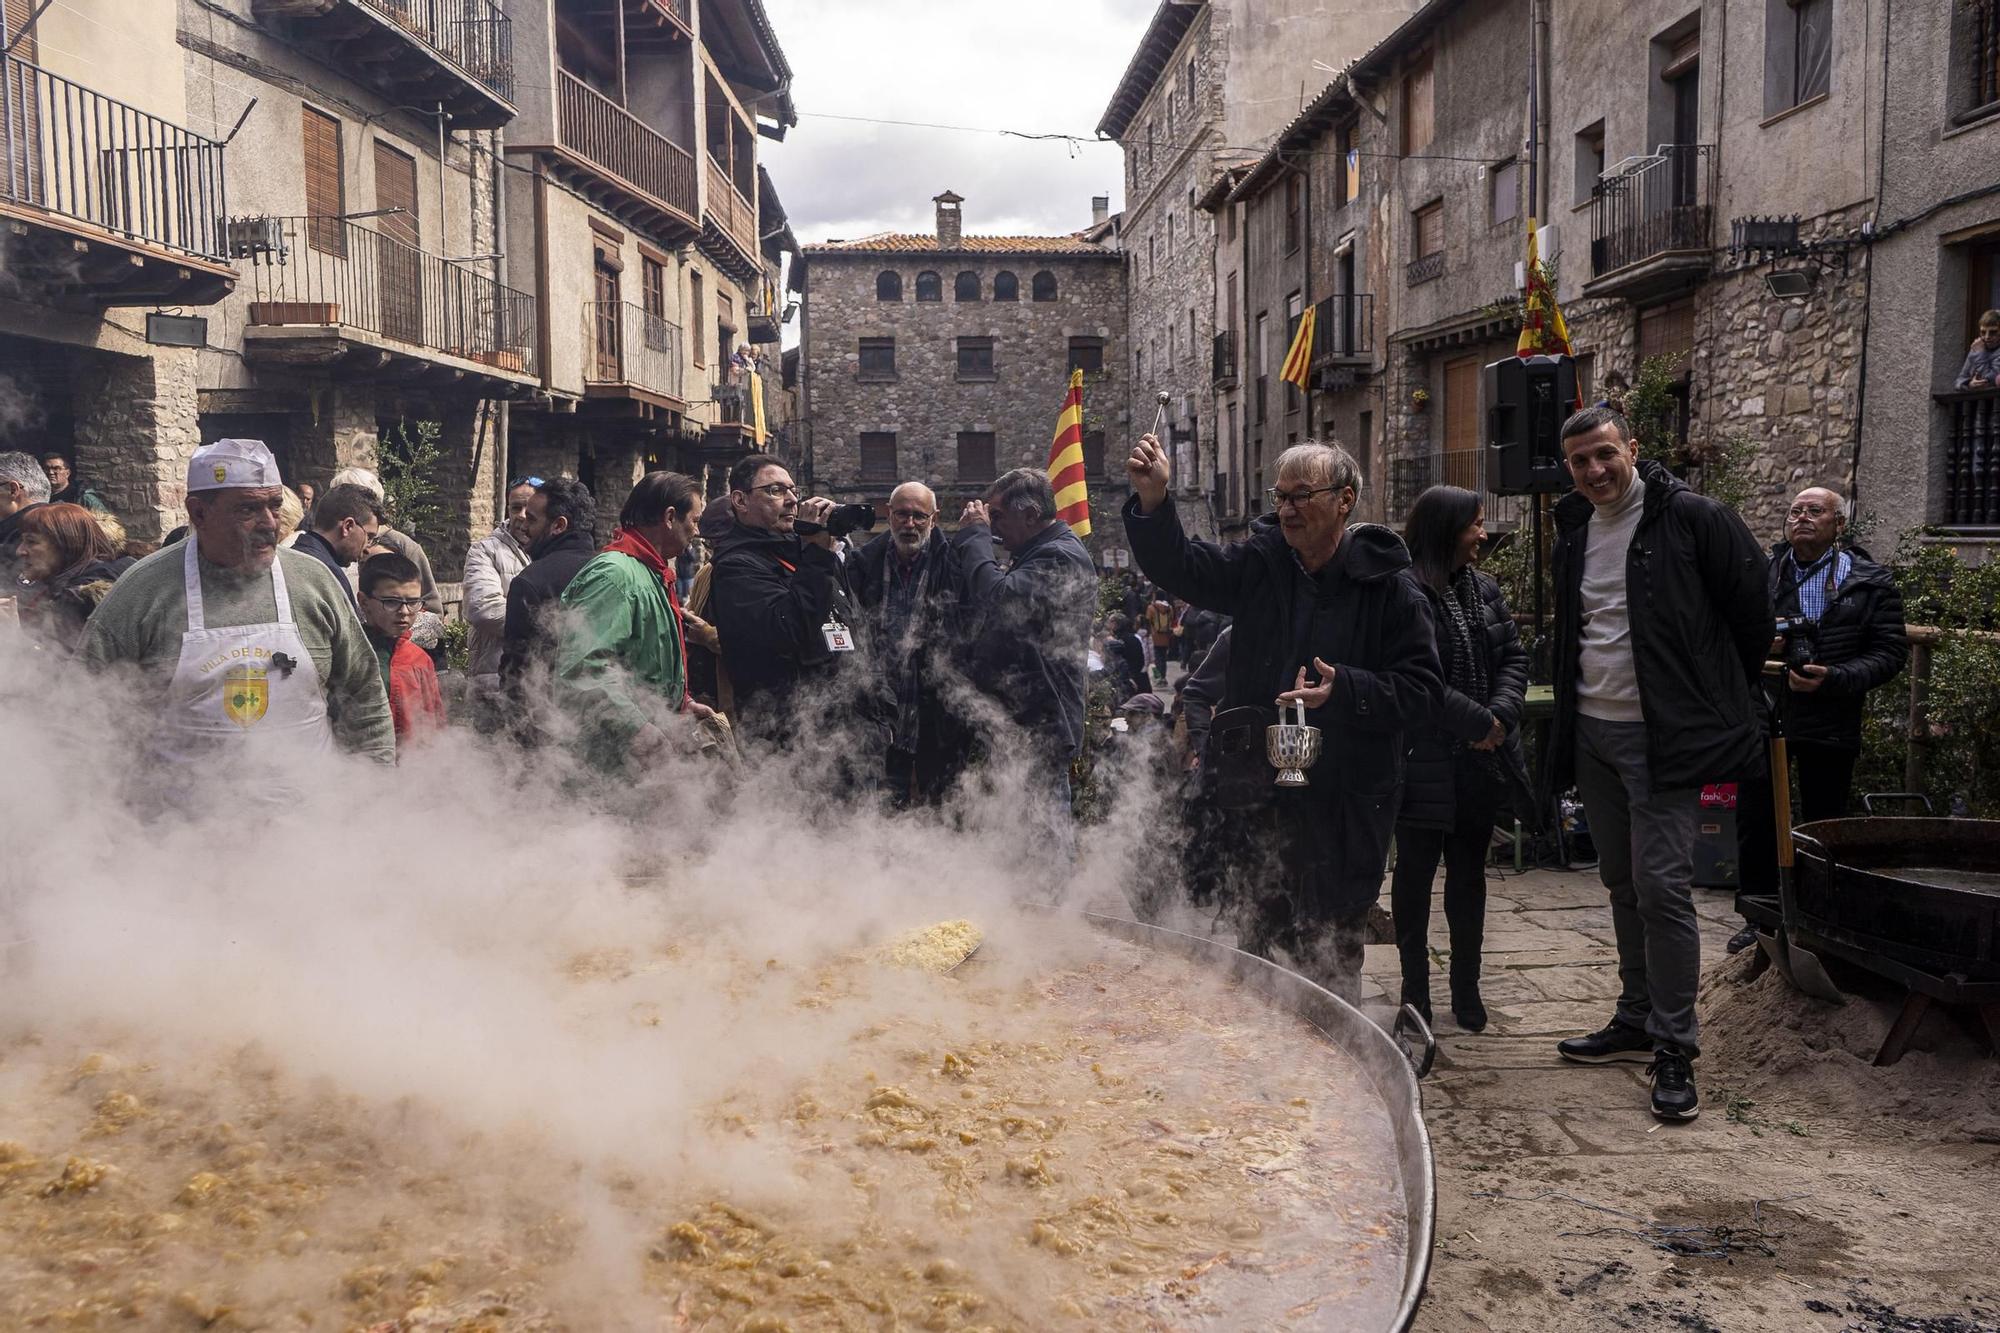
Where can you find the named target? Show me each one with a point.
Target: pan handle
(1903, 797)
(1413, 1035)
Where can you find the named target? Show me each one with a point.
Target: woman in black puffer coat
(1467, 765)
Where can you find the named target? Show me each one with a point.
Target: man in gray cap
(245, 643)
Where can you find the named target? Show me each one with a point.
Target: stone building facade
(945, 358)
(1208, 85)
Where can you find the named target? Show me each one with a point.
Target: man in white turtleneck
(1662, 621)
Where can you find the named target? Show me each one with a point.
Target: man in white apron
(250, 648)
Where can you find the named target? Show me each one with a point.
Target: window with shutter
(396, 187)
(878, 455)
(325, 199)
(1430, 229)
(1419, 118)
(398, 265)
(695, 321)
(975, 455)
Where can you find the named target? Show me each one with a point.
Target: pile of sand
(1788, 1049)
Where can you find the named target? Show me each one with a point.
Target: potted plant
(1419, 399)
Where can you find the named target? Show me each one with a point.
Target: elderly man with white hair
(908, 583)
(244, 647)
(1328, 615)
(400, 542)
(23, 485)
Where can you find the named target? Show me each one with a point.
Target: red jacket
(416, 703)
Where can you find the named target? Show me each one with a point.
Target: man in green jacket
(621, 657)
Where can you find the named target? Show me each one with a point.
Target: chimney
(949, 223)
(1100, 209)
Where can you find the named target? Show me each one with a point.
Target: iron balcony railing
(1971, 457)
(597, 128)
(1663, 205)
(1222, 358)
(332, 271)
(1424, 269)
(472, 34)
(1343, 329)
(630, 346)
(73, 151)
(1464, 468)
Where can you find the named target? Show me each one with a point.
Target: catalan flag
(1543, 331)
(1066, 471)
(1298, 361)
(754, 390)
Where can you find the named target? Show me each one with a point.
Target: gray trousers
(1645, 856)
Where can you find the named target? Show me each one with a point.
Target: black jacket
(1859, 639)
(1440, 766)
(319, 548)
(1125, 664)
(1701, 626)
(1364, 614)
(1030, 632)
(912, 683)
(552, 564)
(55, 611)
(769, 599)
(10, 550)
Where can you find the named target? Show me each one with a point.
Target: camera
(841, 520)
(1801, 638)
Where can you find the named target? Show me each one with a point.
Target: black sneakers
(1745, 938)
(1674, 1097)
(1615, 1041)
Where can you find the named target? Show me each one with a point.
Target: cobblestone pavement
(1875, 1228)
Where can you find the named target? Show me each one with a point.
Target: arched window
(888, 285)
(965, 287)
(1045, 286)
(1006, 287)
(929, 287)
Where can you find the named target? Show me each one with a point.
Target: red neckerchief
(628, 542)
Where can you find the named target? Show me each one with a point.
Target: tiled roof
(891, 242)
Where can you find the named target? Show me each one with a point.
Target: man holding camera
(779, 598)
(1840, 635)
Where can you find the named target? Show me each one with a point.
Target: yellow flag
(756, 389)
(1298, 361)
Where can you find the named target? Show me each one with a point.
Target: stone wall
(925, 403)
(135, 431)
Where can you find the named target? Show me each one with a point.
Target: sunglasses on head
(536, 482)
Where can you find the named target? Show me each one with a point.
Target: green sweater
(143, 617)
(618, 645)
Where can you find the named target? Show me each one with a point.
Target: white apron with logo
(229, 687)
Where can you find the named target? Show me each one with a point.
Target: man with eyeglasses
(779, 600)
(392, 593)
(344, 522)
(1309, 593)
(490, 569)
(907, 583)
(1840, 617)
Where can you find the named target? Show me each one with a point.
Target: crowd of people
(765, 622)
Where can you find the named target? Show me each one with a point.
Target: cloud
(1041, 66)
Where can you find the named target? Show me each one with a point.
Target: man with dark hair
(68, 488)
(557, 527)
(1310, 593)
(344, 522)
(778, 599)
(1662, 621)
(621, 653)
(907, 582)
(1030, 634)
(392, 593)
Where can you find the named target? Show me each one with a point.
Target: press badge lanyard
(839, 638)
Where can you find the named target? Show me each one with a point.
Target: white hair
(358, 476)
(927, 492)
(25, 471)
(1328, 463)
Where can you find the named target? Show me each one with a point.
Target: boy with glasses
(392, 593)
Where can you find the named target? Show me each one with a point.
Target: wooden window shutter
(17, 13)
(325, 198)
(396, 187)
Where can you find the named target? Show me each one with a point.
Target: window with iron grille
(1975, 43)
(878, 358)
(965, 287)
(878, 455)
(930, 287)
(975, 455)
(888, 285)
(975, 358)
(1006, 287)
(1045, 286)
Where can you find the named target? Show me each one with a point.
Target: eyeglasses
(912, 515)
(1298, 499)
(536, 482)
(777, 490)
(395, 603)
(1810, 511)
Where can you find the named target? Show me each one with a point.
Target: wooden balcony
(418, 52)
(102, 204)
(337, 296)
(629, 170)
(731, 217)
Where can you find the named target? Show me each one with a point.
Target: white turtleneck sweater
(1607, 685)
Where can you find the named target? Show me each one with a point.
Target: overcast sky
(1043, 66)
